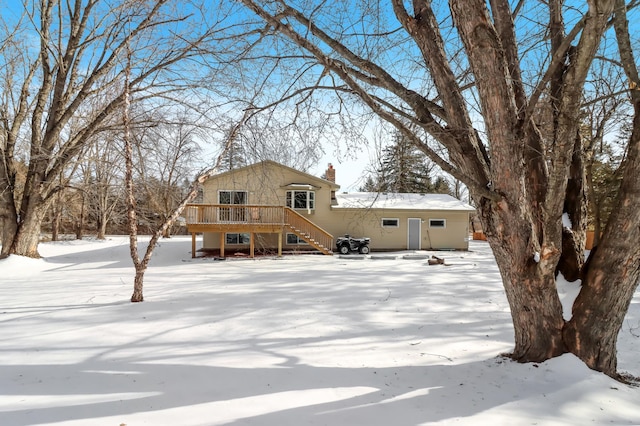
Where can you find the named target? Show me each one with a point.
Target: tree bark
(80, 223)
(101, 228)
(575, 207)
(613, 271)
(137, 295)
(8, 222)
(530, 287)
(27, 237)
(167, 231)
(132, 217)
(55, 224)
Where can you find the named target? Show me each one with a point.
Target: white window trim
(397, 220)
(292, 198)
(246, 197)
(444, 223)
(239, 239)
(300, 241)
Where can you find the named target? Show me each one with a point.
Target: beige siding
(266, 184)
(368, 223)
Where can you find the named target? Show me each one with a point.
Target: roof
(396, 201)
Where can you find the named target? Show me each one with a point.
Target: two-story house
(271, 206)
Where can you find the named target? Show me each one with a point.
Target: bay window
(301, 200)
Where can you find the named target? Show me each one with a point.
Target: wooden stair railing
(315, 236)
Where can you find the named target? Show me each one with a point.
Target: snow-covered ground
(302, 340)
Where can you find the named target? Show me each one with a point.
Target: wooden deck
(254, 219)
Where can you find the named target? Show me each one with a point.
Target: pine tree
(404, 169)
(370, 185)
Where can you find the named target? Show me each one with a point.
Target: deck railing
(203, 214)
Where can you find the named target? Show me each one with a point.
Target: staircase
(317, 237)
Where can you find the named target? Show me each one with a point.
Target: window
(304, 200)
(437, 223)
(236, 238)
(293, 239)
(390, 223)
(232, 197)
(232, 214)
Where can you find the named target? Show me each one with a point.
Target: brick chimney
(331, 173)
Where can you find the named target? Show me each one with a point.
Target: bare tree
(142, 264)
(268, 138)
(103, 181)
(435, 74)
(77, 58)
(165, 155)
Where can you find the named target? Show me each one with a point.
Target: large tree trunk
(8, 213)
(33, 208)
(102, 226)
(55, 223)
(612, 274)
(600, 308)
(8, 229)
(80, 222)
(8, 224)
(137, 295)
(520, 226)
(525, 229)
(26, 239)
(529, 282)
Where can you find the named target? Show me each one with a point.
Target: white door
(414, 237)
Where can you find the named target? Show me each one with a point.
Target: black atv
(348, 244)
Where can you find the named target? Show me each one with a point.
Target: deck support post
(252, 245)
(222, 238)
(193, 245)
(280, 244)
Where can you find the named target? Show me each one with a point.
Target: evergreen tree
(404, 169)
(370, 185)
(604, 176)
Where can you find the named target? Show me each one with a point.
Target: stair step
(308, 237)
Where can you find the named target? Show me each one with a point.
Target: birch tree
(464, 81)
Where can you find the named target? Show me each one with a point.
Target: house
(404, 221)
(271, 206)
